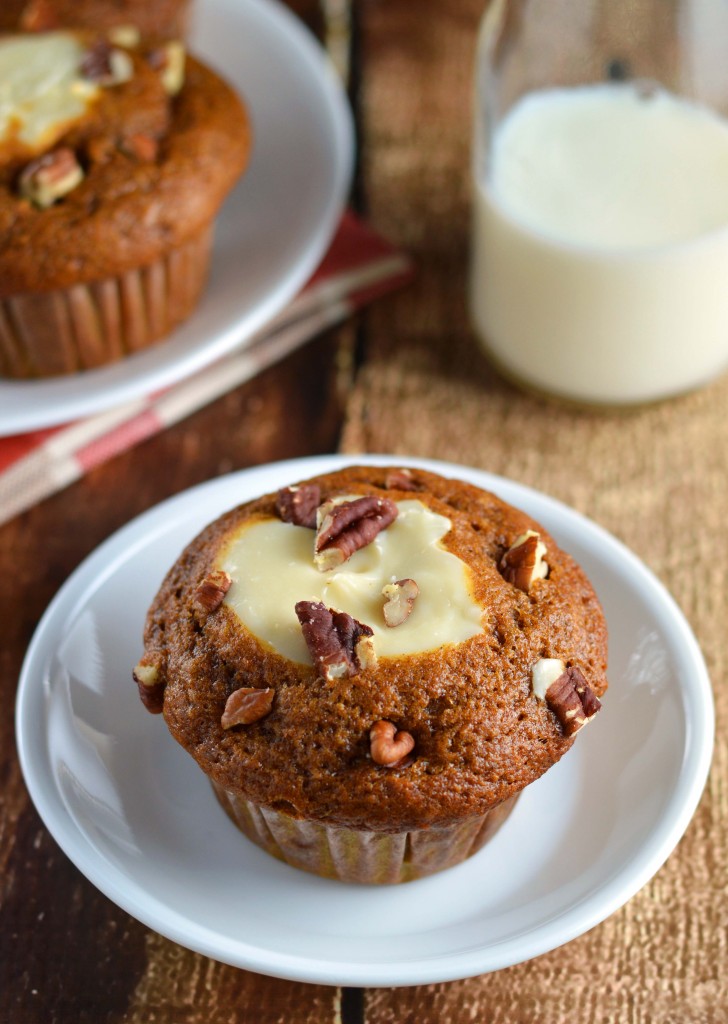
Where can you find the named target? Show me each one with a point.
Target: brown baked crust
(164, 18)
(127, 212)
(480, 734)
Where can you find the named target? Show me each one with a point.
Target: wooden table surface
(70, 956)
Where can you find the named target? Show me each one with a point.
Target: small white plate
(273, 229)
(135, 814)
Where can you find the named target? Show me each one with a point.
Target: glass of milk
(599, 268)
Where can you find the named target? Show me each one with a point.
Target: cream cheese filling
(42, 91)
(271, 566)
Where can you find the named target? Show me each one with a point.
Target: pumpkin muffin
(372, 665)
(163, 19)
(114, 160)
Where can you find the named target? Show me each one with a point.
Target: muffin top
(112, 152)
(423, 654)
(165, 18)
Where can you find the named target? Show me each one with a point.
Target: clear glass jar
(599, 267)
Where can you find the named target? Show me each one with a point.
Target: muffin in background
(113, 165)
(162, 19)
(372, 665)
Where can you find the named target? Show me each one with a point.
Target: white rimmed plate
(134, 813)
(271, 232)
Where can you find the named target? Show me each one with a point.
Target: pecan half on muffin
(114, 160)
(372, 665)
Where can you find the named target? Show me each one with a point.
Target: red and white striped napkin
(358, 268)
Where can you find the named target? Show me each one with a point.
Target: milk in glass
(600, 249)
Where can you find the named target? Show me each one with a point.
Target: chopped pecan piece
(400, 600)
(347, 526)
(210, 593)
(400, 480)
(150, 681)
(105, 64)
(338, 644)
(247, 705)
(389, 747)
(144, 148)
(566, 692)
(170, 61)
(572, 700)
(524, 562)
(298, 505)
(50, 177)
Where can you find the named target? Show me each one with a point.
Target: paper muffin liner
(350, 855)
(46, 334)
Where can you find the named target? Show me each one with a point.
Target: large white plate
(271, 232)
(135, 814)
